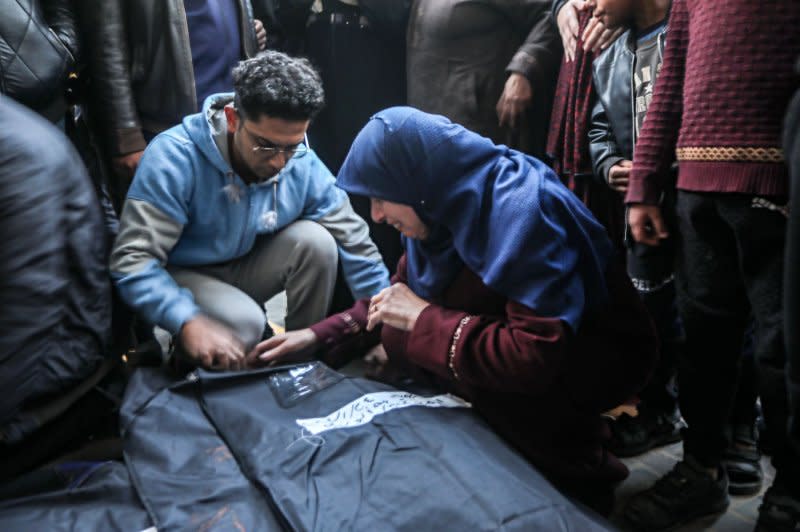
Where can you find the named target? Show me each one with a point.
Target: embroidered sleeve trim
(451, 355)
(352, 326)
(730, 153)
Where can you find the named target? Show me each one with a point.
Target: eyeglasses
(270, 151)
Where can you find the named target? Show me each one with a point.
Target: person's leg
(651, 270)
(301, 259)
(744, 407)
(742, 459)
(760, 233)
(760, 225)
(660, 393)
(791, 277)
(780, 509)
(223, 302)
(714, 310)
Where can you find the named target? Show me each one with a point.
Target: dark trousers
(730, 260)
(363, 72)
(791, 139)
(651, 269)
(659, 396)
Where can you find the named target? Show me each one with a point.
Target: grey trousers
(301, 259)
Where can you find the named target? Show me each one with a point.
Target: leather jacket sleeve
(60, 16)
(557, 5)
(539, 56)
(602, 145)
(249, 39)
(102, 22)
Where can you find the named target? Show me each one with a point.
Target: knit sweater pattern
(718, 106)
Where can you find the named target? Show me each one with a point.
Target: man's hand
(647, 224)
(396, 306)
(568, 27)
(125, 165)
(261, 34)
(618, 176)
(211, 344)
(281, 346)
(597, 37)
(516, 98)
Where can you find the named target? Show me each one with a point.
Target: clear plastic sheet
(293, 385)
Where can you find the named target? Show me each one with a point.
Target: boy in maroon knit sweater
(718, 106)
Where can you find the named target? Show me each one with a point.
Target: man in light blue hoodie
(229, 208)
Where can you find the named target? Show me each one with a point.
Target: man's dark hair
(274, 84)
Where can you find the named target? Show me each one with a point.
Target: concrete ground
(645, 469)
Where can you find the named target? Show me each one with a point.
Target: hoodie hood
(209, 131)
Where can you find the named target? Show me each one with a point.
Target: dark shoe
(779, 511)
(686, 493)
(742, 462)
(633, 436)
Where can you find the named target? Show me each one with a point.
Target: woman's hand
(281, 346)
(396, 306)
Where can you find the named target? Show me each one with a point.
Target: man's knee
(224, 303)
(247, 320)
(315, 245)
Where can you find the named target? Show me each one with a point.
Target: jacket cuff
(604, 166)
(525, 64)
(430, 341)
(557, 5)
(639, 191)
(128, 140)
(336, 328)
(343, 336)
(179, 313)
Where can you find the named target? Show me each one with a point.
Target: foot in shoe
(634, 436)
(779, 511)
(686, 493)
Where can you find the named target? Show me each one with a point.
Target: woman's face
(401, 217)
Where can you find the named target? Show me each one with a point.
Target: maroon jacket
(540, 386)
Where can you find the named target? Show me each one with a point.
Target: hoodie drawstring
(269, 219)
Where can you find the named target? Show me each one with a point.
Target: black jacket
(611, 125)
(38, 49)
(140, 63)
(55, 292)
(461, 52)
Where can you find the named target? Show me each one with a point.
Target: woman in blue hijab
(508, 293)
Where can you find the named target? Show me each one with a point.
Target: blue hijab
(503, 214)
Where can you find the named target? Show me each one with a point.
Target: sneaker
(684, 494)
(779, 511)
(632, 436)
